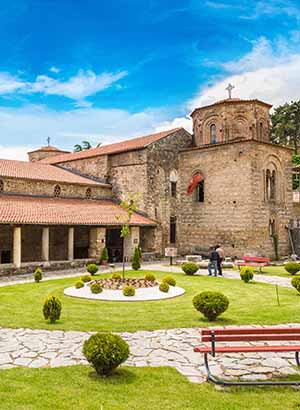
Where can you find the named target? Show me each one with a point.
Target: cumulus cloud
(84, 84)
(18, 152)
(180, 122)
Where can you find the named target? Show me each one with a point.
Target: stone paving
(174, 348)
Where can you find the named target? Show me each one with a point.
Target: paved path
(174, 348)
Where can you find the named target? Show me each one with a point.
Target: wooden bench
(255, 261)
(245, 335)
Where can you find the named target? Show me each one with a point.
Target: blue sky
(106, 71)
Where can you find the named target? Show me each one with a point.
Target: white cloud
(78, 87)
(54, 69)
(179, 122)
(17, 152)
(269, 72)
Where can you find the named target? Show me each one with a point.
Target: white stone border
(141, 294)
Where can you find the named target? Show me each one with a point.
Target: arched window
(199, 192)
(272, 228)
(57, 191)
(261, 131)
(271, 185)
(88, 193)
(213, 134)
(173, 183)
(1, 186)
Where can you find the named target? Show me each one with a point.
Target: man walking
(221, 254)
(213, 262)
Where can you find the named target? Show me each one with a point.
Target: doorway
(114, 244)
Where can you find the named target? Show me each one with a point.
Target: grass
(252, 303)
(276, 271)
(77, 387)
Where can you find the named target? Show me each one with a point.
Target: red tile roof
(230, 101)
(41, 172)
(47, 148)
(123, 146)
(58, 211)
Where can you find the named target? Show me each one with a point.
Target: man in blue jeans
(214, 260)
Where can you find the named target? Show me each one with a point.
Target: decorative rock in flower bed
(120, 284)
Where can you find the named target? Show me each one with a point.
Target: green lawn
(21, 306)
(77, 387)
(276, 271)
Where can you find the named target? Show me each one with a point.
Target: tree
(286, 125)
(85, 145)
(130, 206)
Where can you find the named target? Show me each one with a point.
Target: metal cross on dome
(48, 141)
(229, 89)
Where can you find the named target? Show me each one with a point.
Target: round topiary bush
(79, 284)
(150, 277)
(211, 304)
(292, 267)
(38, 275)
(86, 278)
(189, 268)
(247, 273)
(295, 282)
(105, 352)
(52, 309)
(164, 287)
(116, 276)
(96, 288)
(92, 268)
(169, 280)
(129, 291)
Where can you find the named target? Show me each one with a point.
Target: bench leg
(221, 382)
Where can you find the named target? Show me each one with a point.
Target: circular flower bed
(119, 284)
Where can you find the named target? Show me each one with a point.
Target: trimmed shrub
(38, 275)
(52, 309)
(136, 259)
(169, 280)
(86, 278)
(92, 268)
(295, 282)
(104, 255)
(96, 288)
(189, 268)
(116, 276)
(150, 277)
(164, 287)
(129, 291)
(105, 352)
(79, 284)
(211, 304)
(292, 267)
(247, 273)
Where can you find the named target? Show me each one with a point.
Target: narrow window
(261, 131)
(213, 134)
(1, 186)
(268, 184)
(199, 192)
(272, 227)
(88, 193)
(173, 229)
(273, 186)
(296, 181)
(173, 189)
(57, 191)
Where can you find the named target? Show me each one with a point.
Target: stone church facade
(225, 184)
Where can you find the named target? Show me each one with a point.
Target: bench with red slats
(255, 261)
(246, 335)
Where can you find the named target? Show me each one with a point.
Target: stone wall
(95, 166)
(235, 211)
(46, 188)
(233, 120)
(31, 250)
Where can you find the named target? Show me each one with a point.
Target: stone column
(17, 246)
(97, 242)
(71, 244)
(131, 241)
(45, 244)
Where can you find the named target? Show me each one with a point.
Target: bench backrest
(251, 334)
(256, 259)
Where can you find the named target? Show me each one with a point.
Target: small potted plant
(104, 256)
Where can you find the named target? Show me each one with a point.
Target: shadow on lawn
(119, 376)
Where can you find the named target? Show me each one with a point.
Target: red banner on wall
(193, 183)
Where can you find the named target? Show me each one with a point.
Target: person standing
(213, 262)
(221, 254)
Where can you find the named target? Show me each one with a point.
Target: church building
(226, 183)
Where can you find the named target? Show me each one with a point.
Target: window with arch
(213, 134)
(88, 193)
(1, 186)
(272, 227)
(271, 185)
(57, 191)
(173, 183)
(199, 192)
(261, 131)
